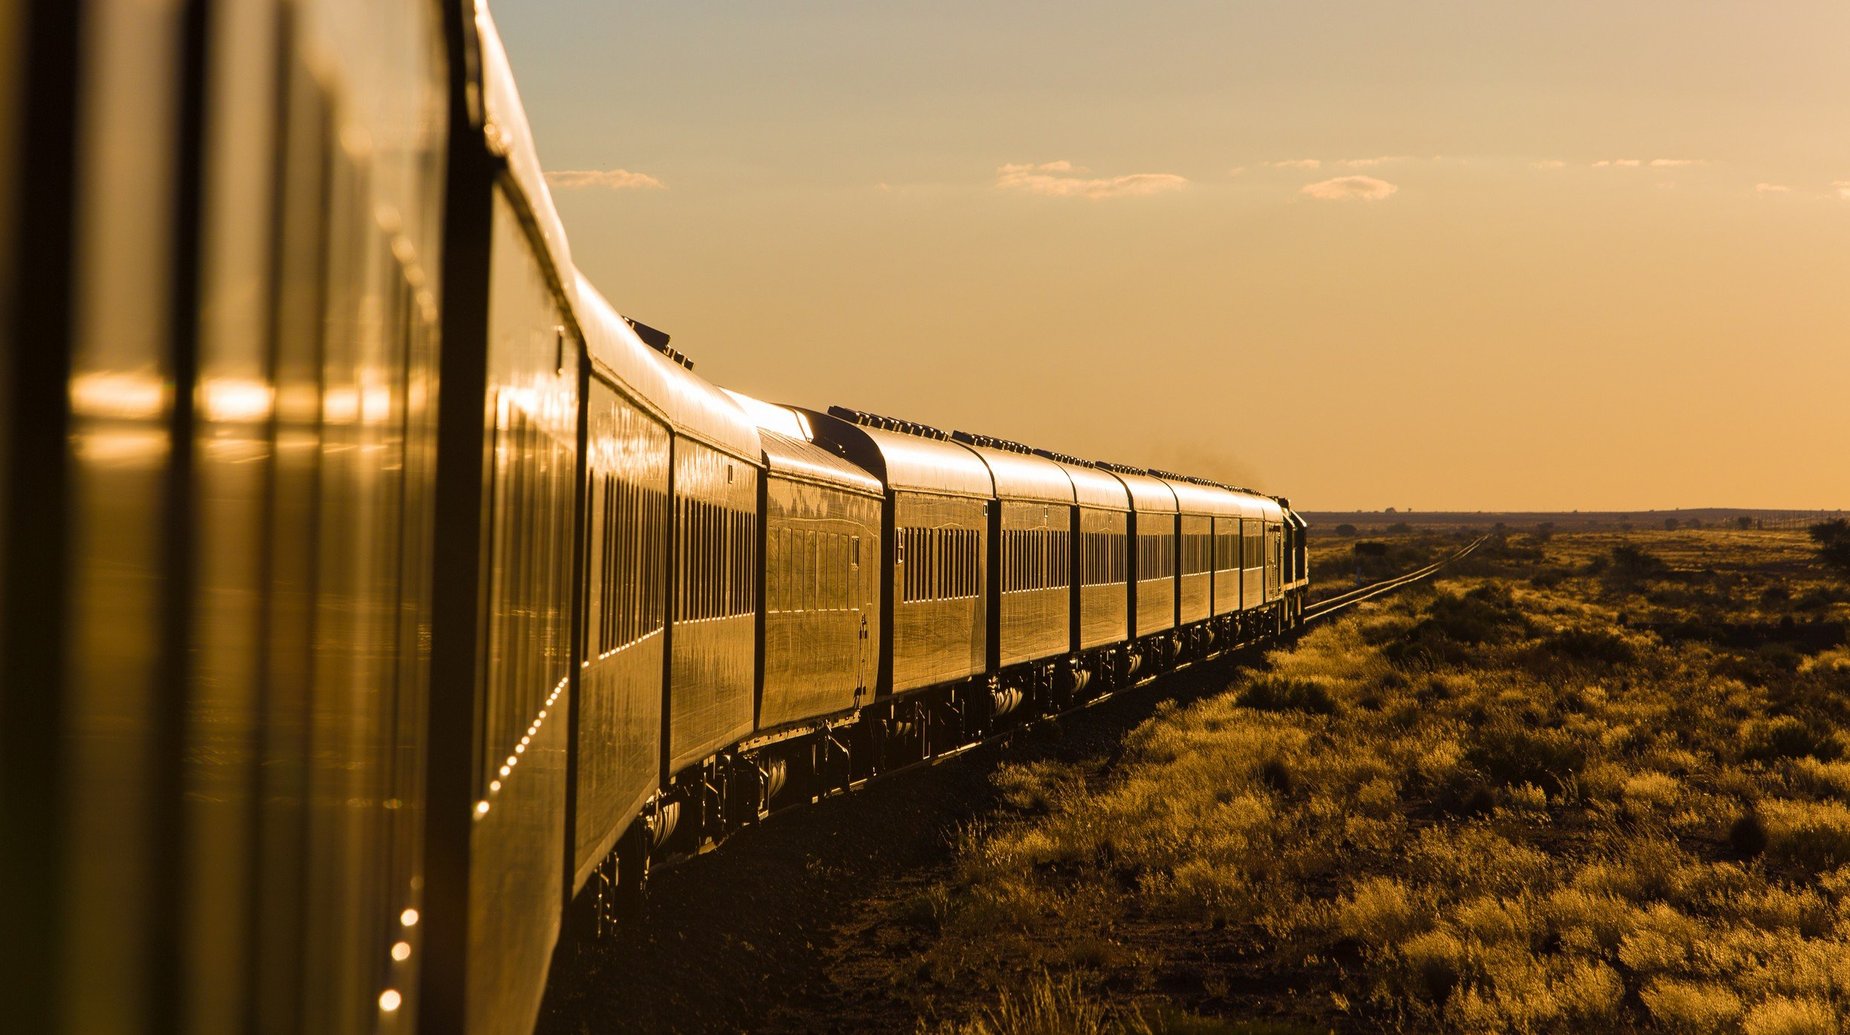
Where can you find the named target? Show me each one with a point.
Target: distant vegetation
(1833, 539)
(1593, 783)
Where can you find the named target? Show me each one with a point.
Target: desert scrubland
(1585, 782)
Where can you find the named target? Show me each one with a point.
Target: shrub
(1833, 539)
(1284, 694)
(1484, 616)
(1632, 565)
(1048, 1006)
(1590, 645)
(1785, 736)
(1434, 963)
(1811, 835)
(1345, 529)
(1379, 912)
(1686, 1006)
(1510, 753)
(1783, 1016)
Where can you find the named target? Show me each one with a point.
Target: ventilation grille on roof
(1123, 468)
(874, 420)
(988, 442)
(1065, 458)
(658, 340)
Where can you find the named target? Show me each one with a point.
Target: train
(376, 598)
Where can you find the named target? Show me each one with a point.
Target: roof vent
(1065, 458)
(987, 442)
(658, 340)
(893, 424)
(1123, 468)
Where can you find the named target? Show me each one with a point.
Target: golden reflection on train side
(120, 458)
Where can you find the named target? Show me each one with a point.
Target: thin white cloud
(1237, 170)
(1369, 163)
(607, 179)
(1772, 188)
(1060, 180)
(1675, 163)
(1622, 163)
(1349, 188)
(1551, 163)
(1297, 163)
(1842, 187)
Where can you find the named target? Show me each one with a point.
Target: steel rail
(1341, 602)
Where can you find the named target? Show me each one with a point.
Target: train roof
(907, 457)
(1017, 472)
(789, 453)
(1092, 487)
(507, 133)
(616, 351)
(1195, 497)
(1148, 492)
(692, 405)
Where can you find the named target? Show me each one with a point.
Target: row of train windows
(1038, 559)
(531, 602)
(633, 519)
(938, 563)
(813, 571)
(1102, 556)
(1237, 551)
(1156, 555)
(717, 574)
(1197, 553)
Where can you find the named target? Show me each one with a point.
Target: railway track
(1344, 601)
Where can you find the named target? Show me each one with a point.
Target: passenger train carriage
(378, 599)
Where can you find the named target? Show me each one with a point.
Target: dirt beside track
(788, 927)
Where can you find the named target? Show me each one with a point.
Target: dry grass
(1597, 785)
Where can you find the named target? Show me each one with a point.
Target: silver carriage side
(822, 587)
(1153, 553)
(618, 744)
(1030, 553)
(935, 537)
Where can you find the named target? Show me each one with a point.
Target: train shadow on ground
(749, 938)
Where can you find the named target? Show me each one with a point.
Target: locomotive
(374, 596)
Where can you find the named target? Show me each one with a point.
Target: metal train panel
(531, 432)
(121, 449)
(12, 41)
(1035, 580)
(620, 694)
(1104, 600)
(1272, 548)
(822, 595)
(1095, 488)
(1196, 563)
(1227, 546)
(510, 135)
(206, 745)
(1153, 557)
(936, 581)
(617, 354)
(713, 638)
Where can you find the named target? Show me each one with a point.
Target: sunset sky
(1364, 254)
